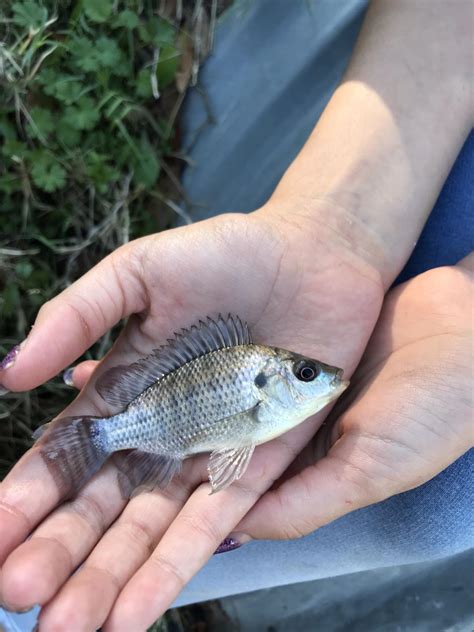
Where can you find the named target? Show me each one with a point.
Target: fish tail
(74, 449)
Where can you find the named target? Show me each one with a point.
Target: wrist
(367, 181)
(372, 169)
(324, 235)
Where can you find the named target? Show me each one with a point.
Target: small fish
(210, 389)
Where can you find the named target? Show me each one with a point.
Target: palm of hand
(406, 417)
(323, 306)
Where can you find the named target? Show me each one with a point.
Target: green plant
(89, 157)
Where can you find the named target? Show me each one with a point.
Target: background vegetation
(90, 155)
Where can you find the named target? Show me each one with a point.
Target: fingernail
(229, 544)
(9, 360)
(67, 376)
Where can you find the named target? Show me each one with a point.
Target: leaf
(82, 116)
(167, 65)
(23, 269)
(47, 174)
(82, 49)
(43, 122)
(143, 83)
(29, 14)
(157, 32)
(66, 89)
(97, 10)
(107, 52)
(13, 149)
(146, 165)
(92, 57)
(101, 173)
(166, 69)
(126, 19)
(67, 134)
(46, 77)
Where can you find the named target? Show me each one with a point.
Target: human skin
(308, 272)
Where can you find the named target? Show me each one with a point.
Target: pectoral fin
(227, 466)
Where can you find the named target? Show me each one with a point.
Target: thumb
(316, 496)
(70, 323)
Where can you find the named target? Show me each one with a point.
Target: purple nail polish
(67, 376)
(229, 544)
(10, 358)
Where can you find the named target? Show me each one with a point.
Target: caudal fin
(74, 449)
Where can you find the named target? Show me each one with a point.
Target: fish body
(209, 390)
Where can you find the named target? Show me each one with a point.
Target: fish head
(298, 386)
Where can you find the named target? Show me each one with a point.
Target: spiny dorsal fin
(122, 384)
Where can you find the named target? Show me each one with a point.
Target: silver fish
(210, 389)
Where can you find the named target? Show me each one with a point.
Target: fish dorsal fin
(122, 384)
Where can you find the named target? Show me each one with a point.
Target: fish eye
(305, 370)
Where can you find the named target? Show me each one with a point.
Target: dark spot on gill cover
(260, 380)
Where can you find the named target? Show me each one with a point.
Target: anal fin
(227, 466)
(143, 471)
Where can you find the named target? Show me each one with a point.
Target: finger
(89, 595)
(72, 321)
(29, 493)
(34, 572)
(78, 376)
(316, 496)
(194, 536)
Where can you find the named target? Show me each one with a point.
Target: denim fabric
(448, 235)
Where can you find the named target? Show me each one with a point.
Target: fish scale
(210, 389)
(179, 413)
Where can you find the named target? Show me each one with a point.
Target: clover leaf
(29, 14)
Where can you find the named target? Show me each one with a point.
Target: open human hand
(407, 416)
(313, 296)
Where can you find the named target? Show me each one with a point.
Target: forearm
(375, 163)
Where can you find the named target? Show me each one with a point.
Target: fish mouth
(338, 381)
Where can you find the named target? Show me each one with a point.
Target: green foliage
(47, 174)
(87, 92)
(97, 10)
(29, 15)
(77, 87)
